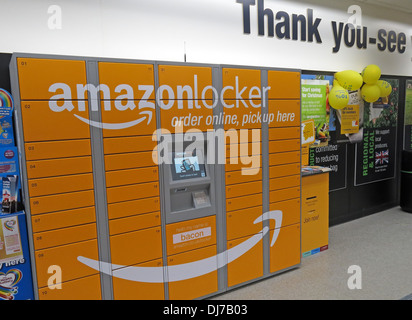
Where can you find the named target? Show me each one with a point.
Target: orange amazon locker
(130, 188)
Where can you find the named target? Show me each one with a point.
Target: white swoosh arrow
(116, 126)
(187, 270)
(274, 215)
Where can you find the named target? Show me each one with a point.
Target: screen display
(188, 165)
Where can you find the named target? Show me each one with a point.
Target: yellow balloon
(349, 79)
(385, 88)
(370, 92)
(371, 74)
(338, 96)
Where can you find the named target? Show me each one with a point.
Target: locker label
(192, 235)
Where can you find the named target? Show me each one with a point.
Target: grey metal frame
(191, 185)
(102, 219)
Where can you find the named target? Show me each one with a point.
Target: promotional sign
(10, 243)
(9, 179)
(376, 154)
(408, 116)
(347, 123)
(6, 123)
(315, 213)
(307, 138)
(315, 106)
(15, 268)
(9, 163)
(350, 119)
(332, 156)
(324, 151)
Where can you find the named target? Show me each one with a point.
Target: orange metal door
(241, 269)
(133, 290)
(197, 286)
(285, 252)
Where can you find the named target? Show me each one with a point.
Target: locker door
(247, 267)
(194, 287)
(87, 288)
(286, 250)
(186, 92)
(133, 290)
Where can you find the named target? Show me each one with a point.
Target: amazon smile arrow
(187, 270)
(116, 126)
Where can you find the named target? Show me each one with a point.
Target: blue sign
(15, 268)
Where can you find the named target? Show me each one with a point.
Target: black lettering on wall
(262, 13)
(246, 14)
(283, 27)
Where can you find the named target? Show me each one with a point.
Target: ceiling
(404, 6)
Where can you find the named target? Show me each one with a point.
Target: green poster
(376, 154)
(314, 97)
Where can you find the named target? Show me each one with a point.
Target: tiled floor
(380, 244)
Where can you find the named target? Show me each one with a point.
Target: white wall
(211, 29)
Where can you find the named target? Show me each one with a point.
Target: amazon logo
(165, 96)
(62, 100)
